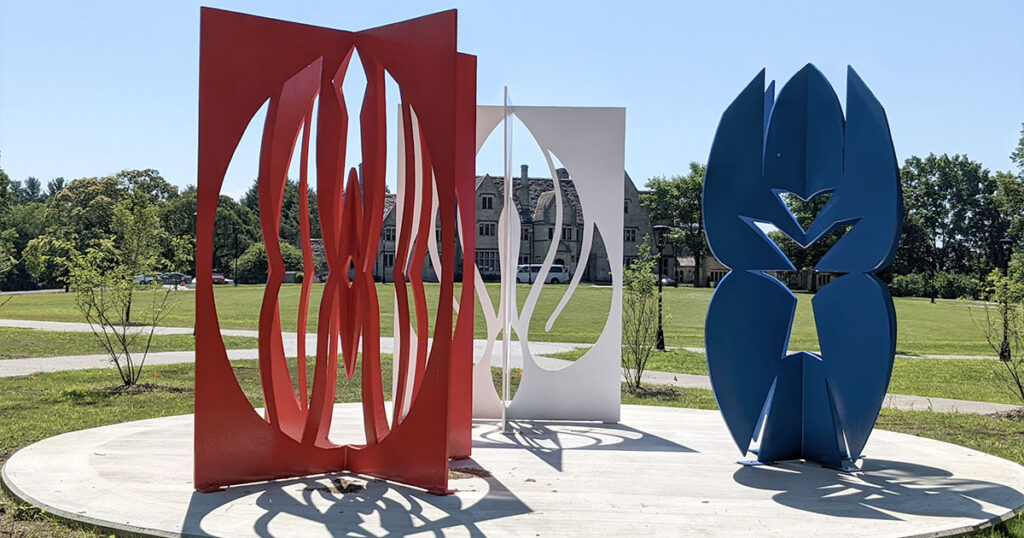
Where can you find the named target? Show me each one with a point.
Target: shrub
(912, 285)
(252, 264)
(957, 286)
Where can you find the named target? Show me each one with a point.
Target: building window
(567, 233)
(524, 259)
(488, 228)
(389, 259)
(487, 260)
(437, 234)
(526, 233)
(389, 233)
(625, 206)
(486, 202)
(627, 261)
(629, 235)
(551, 234)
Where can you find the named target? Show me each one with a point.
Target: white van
(556, 275)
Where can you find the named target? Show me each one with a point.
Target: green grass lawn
(39, 406)
(945, 327)
(22, 343)
(960, 379)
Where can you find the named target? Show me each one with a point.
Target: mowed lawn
(39, 406)
(959, 379)
(24, 343)
(946, 327)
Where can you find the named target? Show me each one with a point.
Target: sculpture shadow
(882, 489)
(399, 510)
(549, 439)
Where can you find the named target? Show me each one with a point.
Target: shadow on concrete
(398, 509)
(882, 489)
(548, 439)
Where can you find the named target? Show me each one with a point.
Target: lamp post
(659, 234)
(1005, 249)
(234, 250)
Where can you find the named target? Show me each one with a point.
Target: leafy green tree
(639, 314)
(25, 222)
(106, 294)
(7, 251)
(677, 201)
(1018, 153)
(148, 182)
(118, 310)
(5, 194)
(289, 210)
(954, 200)
(48, 259)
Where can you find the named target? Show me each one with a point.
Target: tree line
(43, 231)
(957, 215)
(957, 218)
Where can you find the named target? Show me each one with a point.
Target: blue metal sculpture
(802, 405)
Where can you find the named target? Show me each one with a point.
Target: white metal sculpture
(590, 144)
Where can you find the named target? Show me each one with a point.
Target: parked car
(666, 281)
(175, 278)
(144, 280)
(556, 275)
(218, 277)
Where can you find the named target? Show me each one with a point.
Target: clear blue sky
(89, 88)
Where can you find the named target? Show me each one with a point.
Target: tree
(1018, 153)
(1003, 328)
(289, 210)
(954, 201)
(33, 190)
(105, 294)
(105, 290)
(639, 314)
(149, 182)
(7, 252)
(48, 260)
(678, 202)
(54, 186)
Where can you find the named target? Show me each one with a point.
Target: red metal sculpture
(244, 62)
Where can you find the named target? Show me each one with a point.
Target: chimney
(524, 191)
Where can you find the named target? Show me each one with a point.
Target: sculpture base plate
(661, 471)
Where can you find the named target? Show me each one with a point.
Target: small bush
(298, 278)
(252, 264)
(912, 285)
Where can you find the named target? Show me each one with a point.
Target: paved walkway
(19, 367)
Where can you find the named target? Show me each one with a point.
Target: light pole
(234, 250)
(1006, 249)
(659, 234)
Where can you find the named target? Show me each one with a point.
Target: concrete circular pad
(661, 471)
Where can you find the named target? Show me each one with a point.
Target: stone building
(536, 205)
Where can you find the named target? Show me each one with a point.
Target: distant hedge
(943, 284)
